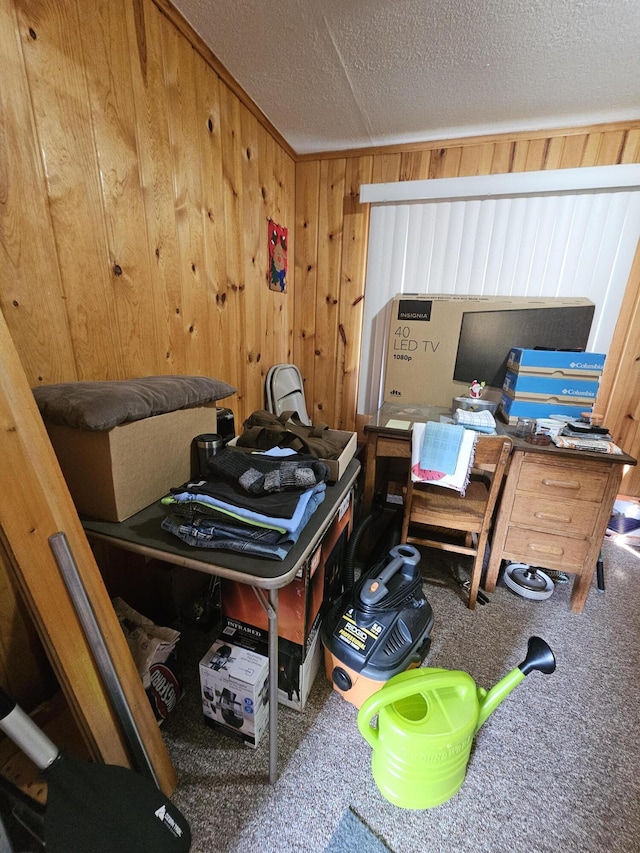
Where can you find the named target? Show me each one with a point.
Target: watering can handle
(408, 683)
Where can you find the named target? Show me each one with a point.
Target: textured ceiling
(337, 74)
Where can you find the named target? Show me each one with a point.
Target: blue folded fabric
(249, 540)
(441, 447)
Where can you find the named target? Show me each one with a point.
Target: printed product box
(234, 683)
(544, 362)
(112, 474)
(301, 606)
(298, 663)
(511, 409)
(541, 388)
(435, 341)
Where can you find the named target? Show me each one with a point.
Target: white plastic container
(546, 426)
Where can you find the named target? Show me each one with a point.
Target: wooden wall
(135, 189)
(136, 180)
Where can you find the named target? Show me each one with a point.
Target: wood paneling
(135, 188)
(35, 506)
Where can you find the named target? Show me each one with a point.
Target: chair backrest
(284, 391)
(491, 452)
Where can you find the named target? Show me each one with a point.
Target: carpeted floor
(555, 767)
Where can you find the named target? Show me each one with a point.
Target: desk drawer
(562, 481)
(575, 517)
(546, 549)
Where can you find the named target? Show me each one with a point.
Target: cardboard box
(301, 607)
(337, 467)
(234, 685)
(556, 363)
(427, 331)
(542, 388)
(298, 664)
(112, 474)
(510, 409)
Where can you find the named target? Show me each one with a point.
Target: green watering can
(427, 719)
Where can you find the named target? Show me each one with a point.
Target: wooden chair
(471, 515)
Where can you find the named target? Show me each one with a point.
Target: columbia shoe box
(539, 383)
(234, 684)
(510, 408)
(557, 363)
(549, 388)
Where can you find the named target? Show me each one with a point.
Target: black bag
(263, 430)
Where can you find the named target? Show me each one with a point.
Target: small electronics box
(234, 684)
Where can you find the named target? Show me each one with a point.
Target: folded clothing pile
(256, 503)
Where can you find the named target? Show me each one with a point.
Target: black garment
(276, 504)
(259, 474)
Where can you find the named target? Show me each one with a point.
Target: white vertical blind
(559, 243)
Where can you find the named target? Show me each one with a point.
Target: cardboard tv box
(424, 336)
(301, 607)
(112, 474)
(234, 685)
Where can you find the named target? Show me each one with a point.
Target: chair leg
(406, 513)
(600, 572)
(476, 572)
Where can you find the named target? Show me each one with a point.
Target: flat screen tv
(486, 337)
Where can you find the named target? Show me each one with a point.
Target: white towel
(479, 421)
(459, 480)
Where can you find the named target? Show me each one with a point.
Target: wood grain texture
(37, 506)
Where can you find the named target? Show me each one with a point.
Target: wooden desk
(142, 534)
(555, 505)
(387, 439)
(554, 512)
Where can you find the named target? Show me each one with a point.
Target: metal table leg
(273, 685)
(271, 608)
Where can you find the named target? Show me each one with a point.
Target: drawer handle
(561, 484)
(545, 549)
(549, 516)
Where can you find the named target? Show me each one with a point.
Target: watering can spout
(539, 656)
